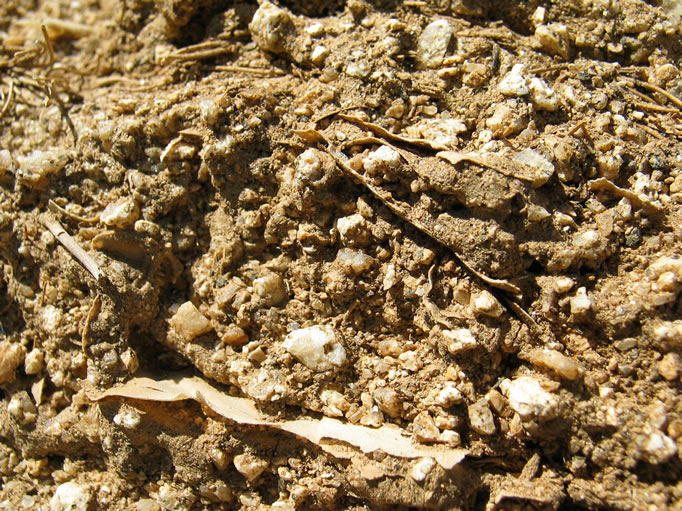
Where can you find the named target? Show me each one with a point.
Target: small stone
(536, 213)
(481, 418)
(542, 168)
(147, 505)
(384, 158)
(270, 289)
(424, 428)
(354, 230)
(542, 95)
(71, 497)
(357, 65)
(433, 43)
(189, 323)
(609, 165)
(120, 214)
(669, 366)
(270, 28)
(421, 469)
(128, 418)
(563, 284)
(448, 396)
(459, 340)
(553, 39)
(668, 334)
(22, 408)
(389, 401)
(451, 438)
(442, 131)
(37, 167)
(316, 347)
(506, 121)
(527, 398)
(309, 166)
(484, 303)
(514, 83)
(234, 335)
(11, 357)
(33, 363)
(250, 466)
(319, 54)
(564, 366)
(353, 261)
(580, 303)
(658, 448)
(5, 161)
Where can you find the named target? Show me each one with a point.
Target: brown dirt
(503, 247)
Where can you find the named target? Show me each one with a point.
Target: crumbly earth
(476, 207)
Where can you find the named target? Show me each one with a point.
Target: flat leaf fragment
(322, 432)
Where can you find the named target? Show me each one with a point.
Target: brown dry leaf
(387, 438)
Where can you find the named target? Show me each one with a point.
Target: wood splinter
(72, 246)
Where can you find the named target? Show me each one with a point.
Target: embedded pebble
(128, 418)
(354, 261)
(658, 448)
(448, 396)
(380, 160)
(484, 303)
(542, 95)
(234, 335)
(319, 54)
(609, 165)
(669, 366)
(270, 27)
(433, 43)
(481, 418)
(22, 408)
(316, 347)
(424, 428)
(71, 497)
(553, 39)
(541, 166)
(270, 289)
(120, 214)
(389, 401)
(527, 398)
(460, 340)
(354, 230)
(309, 166)
(33, 363)
(357, 65)
(536, 213)
(442, 131)
(11, 357)
(189, 323)
(506, 121)
(668, 334)
(250, 466)
(514, 83)
(580, 303)
(35, 168)
(421, 469)
(5, 161)
(564, 366)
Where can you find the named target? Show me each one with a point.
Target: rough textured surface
(480, 201)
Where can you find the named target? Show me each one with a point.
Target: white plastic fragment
(433, 43)
(189, 323)
(514, 83)
(120, 214)
(316, 347)
(71, 497)
(527, 398)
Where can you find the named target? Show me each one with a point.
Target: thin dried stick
(72, 246)
(55, 208)
(655, 88)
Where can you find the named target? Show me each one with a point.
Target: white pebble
(22, 408)
(354, 261)
(250, 466)
(514, 83)
(269, 27)
(481, 418)
(553, 39)
(663, 265)
(120, 214)
(459, 340)
(189, 323)
(5, 161)
(71, 497)
(353, 230)
(449, 395)
(36, 167)
(357, 65)
(484, 303)
(668, 333)
(442, 131)
(564, 366)
(580, 303)
(421, 469)
(527, 398)
(33, 363)
(319, 54)
(505, 121)
(542, 95)
(542, 167)
(433, 43)
(316, 347)
(127, 418)
(658, 448)
(381, 160)
(309, 166)
(270, 289)
(209, 111)
(609, 165)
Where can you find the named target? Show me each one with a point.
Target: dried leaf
(387, 438)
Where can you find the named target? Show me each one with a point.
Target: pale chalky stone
(189, 323)
(71, 497)
(433, 43)
(316, 347)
